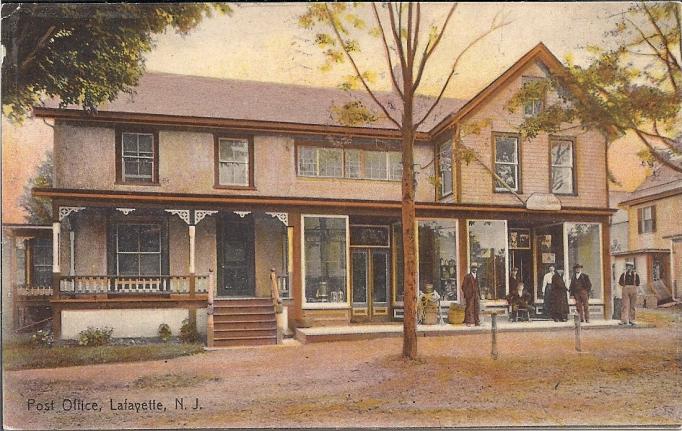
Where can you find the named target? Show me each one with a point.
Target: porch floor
(360, 331)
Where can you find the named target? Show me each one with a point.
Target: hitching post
(578, 347)
(493, 351)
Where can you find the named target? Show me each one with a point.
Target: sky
(263, 42)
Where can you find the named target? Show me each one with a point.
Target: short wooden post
(578, 346)
(493, 350)
(209, 310)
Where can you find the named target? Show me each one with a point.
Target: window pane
(562, 180)
(353, 164)
(395, 160)
(360, 277)
(325, 258)
(150, 238)
(234, 150)
(128, 236)
(150, 264)
(307, 161)
(146, 166)
(145, 143)
(488, 248)
(375, 165)
(584, 248)
(330, 162)
(505, 149)
(508, 174)
(562, 153)
(445, 167)
(398, 247)
(132, 167)
(438, 257)
(234, 173)
(129, 142)
(380, 272)
(128, 264)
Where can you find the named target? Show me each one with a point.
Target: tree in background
(635, 87)
(84, 54)
(407, 44)
(38, 210)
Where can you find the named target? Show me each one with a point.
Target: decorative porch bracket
(199, 215)
(242, 214)
(283, 217)
(125, 211)
(183, 214)
(65, 211)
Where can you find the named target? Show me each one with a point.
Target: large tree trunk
(409, 237)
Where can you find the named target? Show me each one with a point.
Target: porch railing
(142, 285)
(23, 290)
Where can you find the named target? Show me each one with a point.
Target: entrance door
(371, 280)
(236, 256)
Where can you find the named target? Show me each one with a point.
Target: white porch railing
(143, 285)
(34, 290)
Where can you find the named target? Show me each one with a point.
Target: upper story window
(349, 163)
(445, 168)
(562, 166)
(507, 165)
(646, 219)
(533, 106)
(138, 157)
(234, 162)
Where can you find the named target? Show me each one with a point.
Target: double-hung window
(138, 249)
(320, 162)
(562, 170)
(234, 162)
(646, 219)
(138, 157)
(507, 162)
(376, 165)
(445, 168)
(533, 106)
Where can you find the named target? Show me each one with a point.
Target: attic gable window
(531, 107)
(137, 157)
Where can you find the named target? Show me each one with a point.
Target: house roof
(196, 96)
(664, 182)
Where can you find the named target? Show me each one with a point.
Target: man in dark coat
(580, 289)
(472, 297)
(558, 299)
(519, 300)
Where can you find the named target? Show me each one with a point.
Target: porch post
(297, 276)
(192, 275)
(210, 326)
(606, 263)
(56, 274)
(72, 247)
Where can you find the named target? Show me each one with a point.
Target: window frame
(641, 220)
(362, 160)
(45, 245)
(216, 162)
(540, 101)
(117, 252)
(507, 264)
(574, 161)
(441, 193)
(120, 177)
(519, 162)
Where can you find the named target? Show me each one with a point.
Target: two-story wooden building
(195, 181)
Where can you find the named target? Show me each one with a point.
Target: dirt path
(624, 377)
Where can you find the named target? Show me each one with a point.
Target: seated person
(520, 299)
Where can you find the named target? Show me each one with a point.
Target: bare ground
(624, 376)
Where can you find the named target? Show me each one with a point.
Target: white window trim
(363, 164)
(568, 270)
(492, 302)
(571, 165)
(459, 266)
(234, 162)
(440, 171)
(322, 305)
(516, 164)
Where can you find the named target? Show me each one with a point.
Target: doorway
(370, 282)
(236, 253)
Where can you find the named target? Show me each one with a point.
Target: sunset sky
(264, 43)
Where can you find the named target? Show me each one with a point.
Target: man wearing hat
(472, 297)
(580, 290)
(629, 281)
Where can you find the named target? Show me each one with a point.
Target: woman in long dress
(558, 298)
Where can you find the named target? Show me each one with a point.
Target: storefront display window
(438, 257)
(488, 248)
(549, 243)
(325, 250)
(583, 242)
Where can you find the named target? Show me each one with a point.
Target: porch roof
(112, 198)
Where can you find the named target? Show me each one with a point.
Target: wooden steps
(244, 322)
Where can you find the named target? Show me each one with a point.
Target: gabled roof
(663, 183)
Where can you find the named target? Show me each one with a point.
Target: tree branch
(387, 51)
(398, 42)
(429, 49)
(664, 38)
(492, 172)
(471, 44)
(654, 152)
(415, 45)
(357, 70)
(658, 53)
(39, 45)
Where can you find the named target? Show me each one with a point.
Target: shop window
(438, 257)
(325, 249)
(584, 247)
(562, 167)
(507, 162)
(488, 248)
(646, 219)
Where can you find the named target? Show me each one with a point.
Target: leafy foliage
(38, 210)
(634, 87)
(353, 113)
(84, 54)
(165, 333)
(42, 338)
(95, 336)
(189, 332)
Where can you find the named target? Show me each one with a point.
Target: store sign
(543, 202)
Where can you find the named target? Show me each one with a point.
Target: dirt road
(624, 376)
